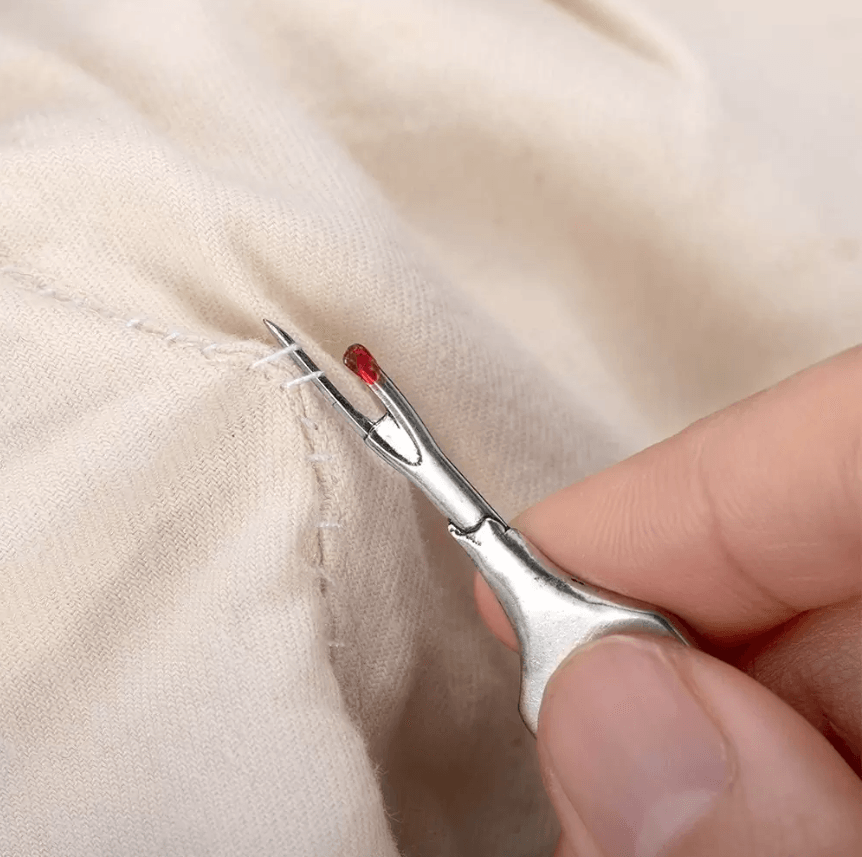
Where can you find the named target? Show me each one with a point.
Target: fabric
(564, 228)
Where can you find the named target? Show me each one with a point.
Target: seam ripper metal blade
(551, 612)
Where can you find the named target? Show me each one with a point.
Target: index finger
(738, 523)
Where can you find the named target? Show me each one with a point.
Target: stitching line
(328, 522)
(33, 284)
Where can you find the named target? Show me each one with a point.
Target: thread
(275, 355)
(301, 380)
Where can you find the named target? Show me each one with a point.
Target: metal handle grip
(552, 613)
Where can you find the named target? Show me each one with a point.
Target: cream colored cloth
(566, 229)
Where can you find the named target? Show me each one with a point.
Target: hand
(748, 525)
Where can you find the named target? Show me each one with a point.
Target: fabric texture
(565, 228)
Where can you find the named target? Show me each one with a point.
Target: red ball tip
(358, 360)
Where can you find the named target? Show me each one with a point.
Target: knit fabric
(564, 228)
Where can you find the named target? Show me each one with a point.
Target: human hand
(748, 525)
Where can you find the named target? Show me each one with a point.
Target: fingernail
(633, 755)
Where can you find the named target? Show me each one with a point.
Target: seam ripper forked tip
(552, 613)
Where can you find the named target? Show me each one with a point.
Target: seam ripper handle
(551, 613)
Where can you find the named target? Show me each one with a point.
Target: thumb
(649, 748)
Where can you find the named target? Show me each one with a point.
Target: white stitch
(307, 422)
(30, 282)
(335, 644)
(301, 380)
(275, 355)
(320, 456)
(329, 525)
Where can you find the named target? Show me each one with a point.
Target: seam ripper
(551, 612)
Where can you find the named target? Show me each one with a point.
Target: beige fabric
(565, 228)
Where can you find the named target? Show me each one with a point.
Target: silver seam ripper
(551, 612)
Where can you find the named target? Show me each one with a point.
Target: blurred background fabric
(566, 229)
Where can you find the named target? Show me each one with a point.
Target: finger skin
(491, 611)
(785, 790)
(814, 663)
(736, 524)
(749, 526)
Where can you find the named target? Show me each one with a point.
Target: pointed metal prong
(278, 333)
(281, 335)
(359, 421)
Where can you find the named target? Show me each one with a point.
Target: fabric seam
(230, 351)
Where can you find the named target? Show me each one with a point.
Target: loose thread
(301, 380)
(274, 356)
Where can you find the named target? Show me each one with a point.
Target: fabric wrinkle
(567, 229)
